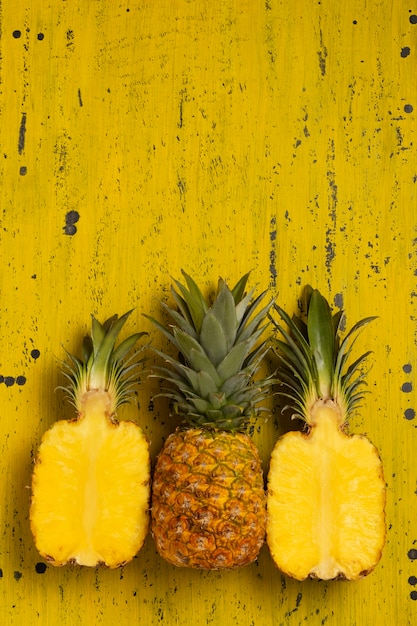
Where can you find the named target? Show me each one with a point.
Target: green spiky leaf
(221, 349)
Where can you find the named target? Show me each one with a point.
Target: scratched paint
(139, 139)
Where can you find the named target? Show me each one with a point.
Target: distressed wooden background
(139, 137)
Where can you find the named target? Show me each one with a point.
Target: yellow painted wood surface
(139, 137)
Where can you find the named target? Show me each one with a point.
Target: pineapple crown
(315, 360)
(220, 349)
(103, 367)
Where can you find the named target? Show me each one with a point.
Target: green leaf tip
(322, 340)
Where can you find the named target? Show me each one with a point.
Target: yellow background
(219, 137)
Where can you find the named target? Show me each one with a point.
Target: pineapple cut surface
(92, 489)
(91, 479)
(326, 488)
(323, 487)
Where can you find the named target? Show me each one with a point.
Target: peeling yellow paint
(140, 137)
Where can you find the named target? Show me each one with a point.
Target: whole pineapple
(326, 490)
(91, 480)
(208, 498)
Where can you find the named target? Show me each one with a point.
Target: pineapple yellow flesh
(91, 488)
(326, 496)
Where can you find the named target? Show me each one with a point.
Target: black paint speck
(413, 595)
(40, 568)
(412, 554)
(407, 387)
(23, 170)
(9, 381)
(409, 414)
(70, 229)
(412, 580)
(35, 354)
(405, 52)
(41, 36)
(71, 219)
(413, 19)
(17, 575)
(16, 34)
(1, 573)
(355, 22)
(407, 368)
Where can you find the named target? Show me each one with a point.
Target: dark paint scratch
(322, 54)
(273, 252)
(182, 188)
(297, 604)
(332, 201)
(183, 99)
(330, 250)
(338, 300)
(22, 133)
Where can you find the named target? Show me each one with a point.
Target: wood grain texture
(142, 137)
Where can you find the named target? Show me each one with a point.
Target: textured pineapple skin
(208, 500)
(91, 492)
(325, 503)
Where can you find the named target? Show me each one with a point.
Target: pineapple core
(326, 493)
(91, 488)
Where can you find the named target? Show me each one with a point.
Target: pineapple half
(208, 499)
(91, 479)
(326, 490)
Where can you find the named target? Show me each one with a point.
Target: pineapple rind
(208, 500)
